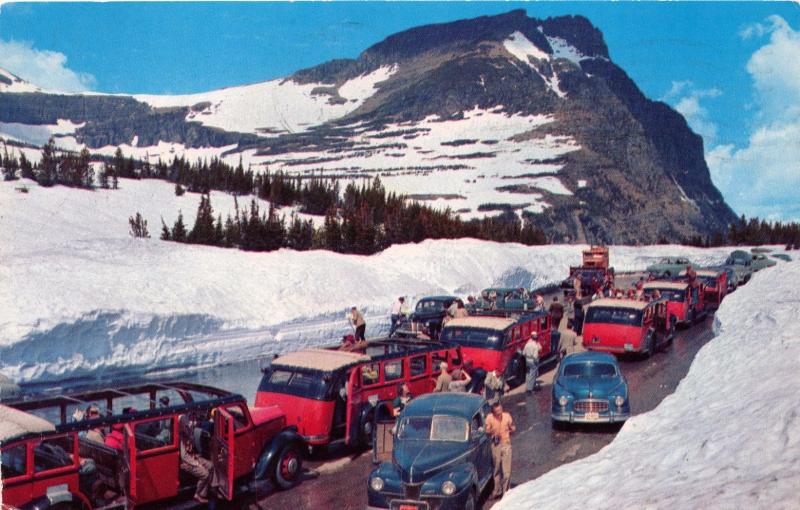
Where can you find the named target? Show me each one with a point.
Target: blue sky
(702, 58)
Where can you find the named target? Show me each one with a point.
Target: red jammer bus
(626, 325)
(495, 342)
(685, 304)
(332, 395)
(714, 286)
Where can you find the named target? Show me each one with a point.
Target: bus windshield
(301, 383)
(473, 337)
(669, 294)
(611, 315)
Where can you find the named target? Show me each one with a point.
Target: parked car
(503, 298)
(782, 256)
(589, 388)
(42, 457)
(627, 325)
(495, 342)
(760, 261)
(685, 304)
(742, 263)
(668, 267)
(441, 457)
(331, 395)
(428, 315)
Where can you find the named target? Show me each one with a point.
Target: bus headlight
(448, 488)
(376, 483)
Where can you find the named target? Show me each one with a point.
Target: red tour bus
(685, 304)
(626, 325)
(45, 453)
(494, 341)
(332, 395)
(714, 285)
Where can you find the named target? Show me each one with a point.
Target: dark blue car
(441, 456)
(589, 388)
(427, 316)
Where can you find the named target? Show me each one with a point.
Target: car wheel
(288, 466)
(366, 431)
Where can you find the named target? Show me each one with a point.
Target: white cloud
(763, 178)
(685, 98)
(44, 68)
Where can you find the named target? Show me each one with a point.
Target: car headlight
(376, 483)
(448, 488)
(619, 400)
(562, 400)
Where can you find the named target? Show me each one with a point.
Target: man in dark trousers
(358, 323)
(557, 312)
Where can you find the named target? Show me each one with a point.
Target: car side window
(476, 427)
(418, 365)
(239, 417)
(392, 370)
(53, 453)
(370, 374)
(14, 462)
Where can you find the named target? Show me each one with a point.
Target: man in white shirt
(531, 353)
(398, 310)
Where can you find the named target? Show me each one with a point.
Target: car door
(482, 445)
(128, 473)
(222, 451)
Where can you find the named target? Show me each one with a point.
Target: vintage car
(627, 325)
(668, 267)
(589, 388)
(441, 456)
(503, 298)
(427, 316)
(760, 261)
(685, 304)
(714, 285)
(742, 264)
(495, 341)
(782, 256)
(331, 395)
(594, 272)
(44, 454)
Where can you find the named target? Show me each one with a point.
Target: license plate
(592, 416)
(409, 505)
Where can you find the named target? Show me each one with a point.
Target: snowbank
(80, 296)
(729, 437)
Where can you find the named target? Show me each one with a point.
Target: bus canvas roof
(326, 360)
(482, 322)
(620, 303)
(15, 423)
(666, 285)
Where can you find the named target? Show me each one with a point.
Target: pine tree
(203, 229)
(48, 165)
(165, 233)
(179, 229)
(138, 226)
(179, 191)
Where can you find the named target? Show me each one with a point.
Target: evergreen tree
(179, 229)
(48, 165)
(138, 226)
(165, 233)
(203, 229)
(26, 168)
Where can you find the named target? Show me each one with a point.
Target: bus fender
(269, 455)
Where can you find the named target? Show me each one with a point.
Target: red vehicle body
(595, 271)
(42, 463)
(331, 395)
(685, 303)
(494, 341)
(626, 325)
(714, 285)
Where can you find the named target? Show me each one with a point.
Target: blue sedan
(589, 388)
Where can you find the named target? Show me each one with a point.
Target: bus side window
(393, 370)
(53, 453)
(370, 374)
(418, 365)
(436, 359)
(14, 461)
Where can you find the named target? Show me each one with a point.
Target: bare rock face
(641, 169)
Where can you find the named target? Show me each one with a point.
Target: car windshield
(301, 383)
(430, 306)
(611, 315)
(669, 294)
(435, 428)
(589, 369)
(473, 337)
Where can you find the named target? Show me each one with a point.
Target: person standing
(194, 464)
(461, 380)
(531, 353)
(358, 323)
(404, 396)
(538, 302)
(444, 379)
(557, 312)
(499, 427)
(576, 284)
(492, 386)
(460, 311)
(398, 309)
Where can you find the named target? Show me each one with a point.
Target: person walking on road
(531, 353)
(357, 320)
(500, 426)
(399, 309)
(557, 312)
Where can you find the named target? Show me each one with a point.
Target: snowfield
(729, 437)
(80, 296)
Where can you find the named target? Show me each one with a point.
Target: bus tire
(289, 466)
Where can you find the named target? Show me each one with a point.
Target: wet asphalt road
(342, 480)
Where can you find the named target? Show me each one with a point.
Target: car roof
(452, 404)
(666, 285)
(501, 289)
(326, 360)
(587, 356)
(482, 321)
(708, 272)
(436, 298)
(15, 423)
(634, 304)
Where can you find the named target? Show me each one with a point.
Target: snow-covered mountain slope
(80, 296)
(10, 82)
(729, 437)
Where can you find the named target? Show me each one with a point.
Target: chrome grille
(590, 406)
(412, 491)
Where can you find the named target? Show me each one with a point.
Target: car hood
(426, 316)
(419, 460)
(583, 387)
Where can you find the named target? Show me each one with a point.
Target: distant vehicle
(594, 270)
(782, 256)
(742, 263)
(331, 395)
(627, 325)
(714, 285)
(668, 267)
(589, 388)
(732, 280)
(504, 298)
(685, 304)
(441, 456)
(428, 315)
(760, 261)
(495, 342)
(42, 455)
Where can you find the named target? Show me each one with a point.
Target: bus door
(127, 472)
(222, 451)
(351, 421)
